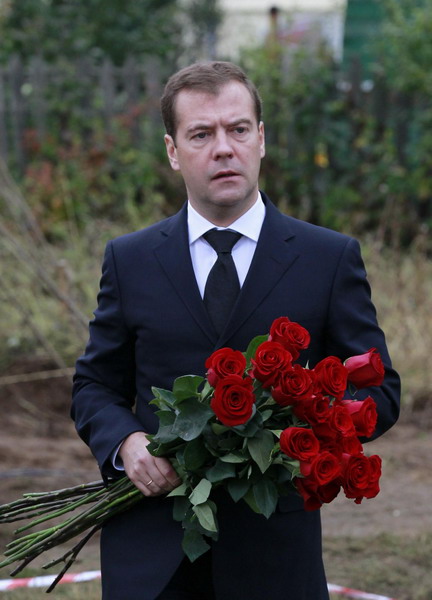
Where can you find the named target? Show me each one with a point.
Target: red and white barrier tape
(46, 580)
(338, 589)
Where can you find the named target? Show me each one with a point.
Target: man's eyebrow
(245, 120)
(206, 126)
(197, 126)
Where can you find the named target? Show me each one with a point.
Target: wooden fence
(39, 98)
(35, 96)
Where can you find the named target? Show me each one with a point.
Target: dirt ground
(39, 450)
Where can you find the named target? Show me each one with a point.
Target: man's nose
(222, 146)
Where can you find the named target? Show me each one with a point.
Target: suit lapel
(174, 257)
(273, 257)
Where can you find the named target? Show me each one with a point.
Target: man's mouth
(224, 174)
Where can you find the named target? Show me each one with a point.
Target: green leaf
(266, 414)
(165, 432)
(234, 457)
(181, 490)
(260, 448)
(250, 428)
(292, 464)
(201, 492)
(249, 498)
(220, 471)
(253, 345)
(191, 419)
(229, 443)
(195, 454)
(218, 428)
(186, 387)
(193, 544)
(266, 496)
(237, 488)
(206, 516)
(162, 397)
(277, 432)
(180, 508)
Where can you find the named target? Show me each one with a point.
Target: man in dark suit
(152, 325)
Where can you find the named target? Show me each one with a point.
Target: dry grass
(391, 565)
(402, 291)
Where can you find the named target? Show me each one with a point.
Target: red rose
(291, 335)
(351, 445)
(366, 369)
(314, 495)
(224, 362)
(271, 359)
(299, 443)
(341, 421)
(293, 385)
(233, 400)
(331, 376)
(313, 410)
(325, 433)
(308, 490)
(322, 469)
(363, 414)
(360, 476)
(332, 446)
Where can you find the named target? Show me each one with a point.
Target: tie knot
(222, 241)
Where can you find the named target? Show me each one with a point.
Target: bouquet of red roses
(259, 425)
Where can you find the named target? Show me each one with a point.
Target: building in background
(250, 22)
(362, 25)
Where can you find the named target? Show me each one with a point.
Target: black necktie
(222, 285)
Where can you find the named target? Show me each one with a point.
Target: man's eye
(201, 135)
(240, 130)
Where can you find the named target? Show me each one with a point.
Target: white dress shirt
(204, 256)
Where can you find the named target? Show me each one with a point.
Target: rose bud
(365, 370)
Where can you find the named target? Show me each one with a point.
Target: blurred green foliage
(92, 28)
(345, 153)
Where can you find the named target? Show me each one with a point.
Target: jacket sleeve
(103, 392)
(353, 329)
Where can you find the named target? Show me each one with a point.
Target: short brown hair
(206, 77)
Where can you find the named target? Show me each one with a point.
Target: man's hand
(152, 475)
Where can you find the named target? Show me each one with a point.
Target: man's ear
(262, 138)
(172, 152)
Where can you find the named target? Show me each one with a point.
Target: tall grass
(401, 283)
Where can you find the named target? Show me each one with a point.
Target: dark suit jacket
(151, 327)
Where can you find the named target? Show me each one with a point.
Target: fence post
(131, 78)
(16, 78)
(3, 130)
(106, 82)
(37, 79)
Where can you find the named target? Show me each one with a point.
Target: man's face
(218, 150)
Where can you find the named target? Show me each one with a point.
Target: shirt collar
(249, 224)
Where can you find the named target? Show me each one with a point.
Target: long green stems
(104, 501)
